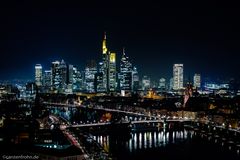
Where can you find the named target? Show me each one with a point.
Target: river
(162, 145)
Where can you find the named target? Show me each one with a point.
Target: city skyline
(119, 80)
(154, 36)
(154, 78)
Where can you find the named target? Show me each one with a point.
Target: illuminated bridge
(98, 108)
(132, 122)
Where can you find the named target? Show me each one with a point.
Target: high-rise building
(77, 80)
(197, 80)
(100, 83)
(146, 83)
(63, 75)
(112, 72)
(99, 88)
(56, 75)
(135, 79)
(104, 66)
(177, 76)
(108, 68)
(90, 71)
(126, 74)
(38, 74)
(162, 84)
(47, 80)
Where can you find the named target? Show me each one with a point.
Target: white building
(146, 83)
(197, 80)
(38, 74)
(162, 83)
(177, 76)
(90, 71)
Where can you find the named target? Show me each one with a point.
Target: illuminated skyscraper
(177, 76)
(126, 73)
(112, 72)
(162, 84)
(47, 80)
(100, 83)
(56, 75)
(90, 71)
(63, 75)
(197, 80)
(108, 68)
(77, 80)
(146, 83)
(104, 66)
(38, 74)
(135, 79)
(104, 44)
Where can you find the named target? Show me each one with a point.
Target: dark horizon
(204, 37)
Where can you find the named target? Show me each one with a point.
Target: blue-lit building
(47, 80)
(38, 75)
(146, 83)
(126, 74)
(59, 76)
(77, 80)
(162, 84)
(63, 76)
(100, 83)
(135, 79)
(99, 87)
(90, 71)
(56, 76)
(197, 81)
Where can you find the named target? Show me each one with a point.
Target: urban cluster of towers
(104, 77)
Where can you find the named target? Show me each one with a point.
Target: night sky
(205, 37)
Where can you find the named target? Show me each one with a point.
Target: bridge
(63, 105)
(139, 117)
(132, 122)
(135, 113)
(129, 115)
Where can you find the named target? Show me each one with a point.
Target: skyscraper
(126, 73)
(104, 66)
(99, 88)
(100, 82)
(108, 68)
(162, 84)
(63, 76)
(77, 80)
(112, 72)
(47, 80)
(177, 76)
(197, 80)
(135, 79)
(146, 83)
(38, 74)
(90, 71)
(56, 75)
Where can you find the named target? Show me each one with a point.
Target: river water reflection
(154, 145)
